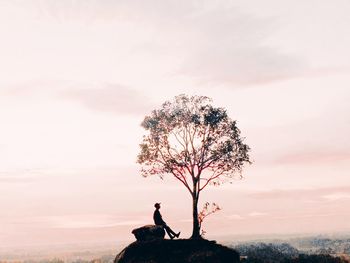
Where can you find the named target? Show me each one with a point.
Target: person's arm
(158, 218)
(161, 218)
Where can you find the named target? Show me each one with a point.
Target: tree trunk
(196, 227)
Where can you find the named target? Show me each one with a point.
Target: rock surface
(149, 232)
(176, 251)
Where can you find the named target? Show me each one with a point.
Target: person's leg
(170, 233)
(169, 230)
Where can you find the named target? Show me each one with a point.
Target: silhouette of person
(158, 220)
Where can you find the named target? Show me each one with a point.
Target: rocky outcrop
(176, 251)
(149, 232)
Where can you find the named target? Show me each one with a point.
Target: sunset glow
(78, 77)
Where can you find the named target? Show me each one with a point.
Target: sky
(78, 77)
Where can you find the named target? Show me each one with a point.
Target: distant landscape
(279, 249)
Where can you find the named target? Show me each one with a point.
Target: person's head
(157, 205)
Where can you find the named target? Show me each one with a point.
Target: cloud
(66, 10)
(303, 216)
(317, 195)
(18, 179)
(79, 221)
(256, 214)
(222, 45)
(337, 196)
(90, 221)
(314, 157)
(235, 217)
(34, 88)
(209, 41)
(74, 224)
(251, 214)
(112, 98)
(29, 175)
(219, 44)
(107, 97)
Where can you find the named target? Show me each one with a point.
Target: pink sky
(77, 78)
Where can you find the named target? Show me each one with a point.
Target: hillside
(176, 251)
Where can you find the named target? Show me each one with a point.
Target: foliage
(261, 252)
(188, 136)
(207, 210)
(319, 245)
(316, 259)
(276, 253)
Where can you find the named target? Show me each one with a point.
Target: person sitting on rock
(158, 220)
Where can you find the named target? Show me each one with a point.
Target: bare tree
(195, 142)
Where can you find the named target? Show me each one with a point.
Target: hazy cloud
(235, 217)
(79, 221)
(337, 196)
(241, 217)
(257, 214)
(209, 41)
(18, 179)
(29, 175)
(314, 156)
(228, 47)
(303, 216)
(112, 98)
(320, 194)
(33, 88)
(220, 44)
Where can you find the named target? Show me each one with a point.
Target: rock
(176, 251)
(149, 232)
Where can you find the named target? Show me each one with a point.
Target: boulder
(149, 232)
(177, 251)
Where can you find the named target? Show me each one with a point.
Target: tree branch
(184, 181)
(211, 179)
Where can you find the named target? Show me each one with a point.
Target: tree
(195, 142)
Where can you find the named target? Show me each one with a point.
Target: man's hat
(156, 204)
